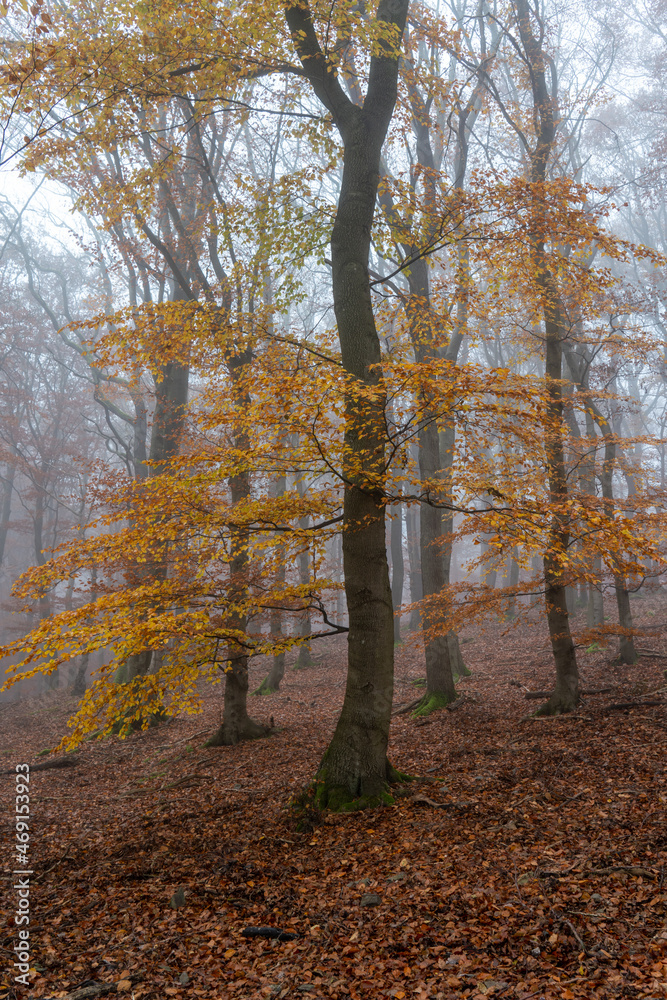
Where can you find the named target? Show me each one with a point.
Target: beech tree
(355, 764)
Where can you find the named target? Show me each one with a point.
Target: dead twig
(630, 869)
(406, 708)
(581, 944)
(529, 695)
(188, 779)
(168, 746)
(634, 704)
(48, 765)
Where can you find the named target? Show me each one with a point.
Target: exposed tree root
(229, 734)
(431, 703)
(321, 795)
(557, 706)
(267, 687)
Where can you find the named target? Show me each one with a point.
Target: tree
(355, 765)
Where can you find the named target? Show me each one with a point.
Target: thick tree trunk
(171, 400)
(355, 766)
(626, 651)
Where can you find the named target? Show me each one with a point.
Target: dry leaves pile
(527, 861)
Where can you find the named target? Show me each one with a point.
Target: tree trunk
(512, 581)
(566, 693)
(440, 688)
(271, 682)
(355, 765)
(79, 683)
(627, 652)
(304, 659)
(8, 489)
(397, 568)
(595, 606)
(416, 593)
(171, 400)
(236, 723)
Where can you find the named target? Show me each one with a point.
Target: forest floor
(528, 860)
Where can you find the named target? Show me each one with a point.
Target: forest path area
(528, 860)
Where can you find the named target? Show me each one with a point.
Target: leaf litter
(527, 859)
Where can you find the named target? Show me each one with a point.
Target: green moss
(395, 776)
(430, 703)
(265, 688)
(420, 682)
(339, 799)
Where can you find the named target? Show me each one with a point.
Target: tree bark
(416, 592)
(304, 659)
(397, 568)
(271, 682)
(566, 693)
(171, 400)
(8, 490)
(627, 652)
(440, 689)
(355, 765)
(236, 723)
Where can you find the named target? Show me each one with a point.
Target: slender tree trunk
(304, 658)
(397, 567)
(7, 492)
(271, 682)
(236, 723)
(440, 688)
(595, 605)
(566, 693)
(355, 765)
(626, 652)
(512, 581)
(341, 609)
(416, 593)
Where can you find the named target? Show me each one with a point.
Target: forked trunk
(355, 766)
